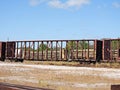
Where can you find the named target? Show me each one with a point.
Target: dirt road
(59, 77)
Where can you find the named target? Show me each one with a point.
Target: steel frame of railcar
(111, 50)
(92, 49)
(115, 50)
(2, 50)
(56, 50)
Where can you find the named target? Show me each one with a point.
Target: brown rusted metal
(21, 50)
(115, 87)
(82, 49)
(2, 50)
(7, 86)
(57, 49)
(47, 51)
(42, 50)
(98, 50)
(119, 50)
(29, 51)
(38, 50)
(17, 49)
(51, 50)
(61, 50)
(25, 51)
(10, 49)
(88, 50)
(115, 49)
(71, 51)
(33, 49)
(77, 51)
(111, 54)
(66, 51)
(106, 50)
(94, 50)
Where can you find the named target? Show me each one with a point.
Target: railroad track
(7, 86)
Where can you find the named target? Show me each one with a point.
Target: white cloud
(56, 4)
(60, 3)
(77, 3)
(116, 5)
(68, 3)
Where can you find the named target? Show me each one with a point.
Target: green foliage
(73, 45)
(83, 44)
(114, 44)
(43, 47)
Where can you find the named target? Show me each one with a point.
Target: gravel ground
(82, 78)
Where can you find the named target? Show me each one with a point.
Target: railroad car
(91, 50)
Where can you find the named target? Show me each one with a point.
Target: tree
(83, 44)
(114, 44)
(73, 45)
(43, 47)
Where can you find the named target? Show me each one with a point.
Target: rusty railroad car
(65, 50)
(111, 50)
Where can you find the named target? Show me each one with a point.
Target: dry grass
(59, 63)
(73, 63)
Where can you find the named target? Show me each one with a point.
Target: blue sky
(59, 19)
